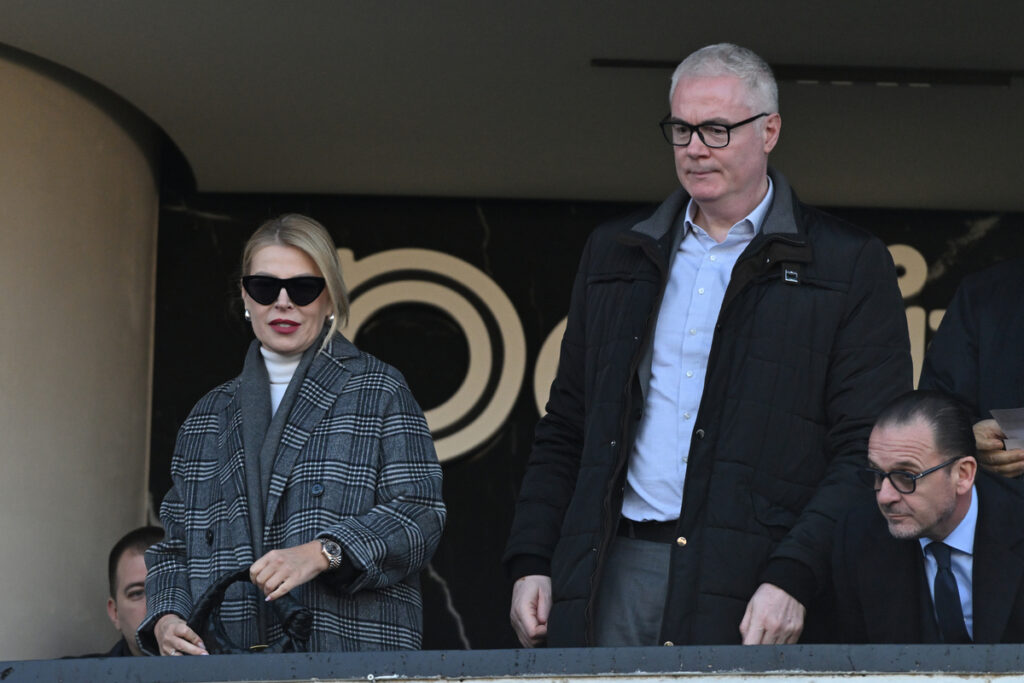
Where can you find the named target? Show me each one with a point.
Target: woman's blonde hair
(311, 238)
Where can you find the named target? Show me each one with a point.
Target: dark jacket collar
(340, 348)
(781, 218)
(261, 431)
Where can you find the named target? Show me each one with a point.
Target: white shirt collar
(962, 537)
(751, 224)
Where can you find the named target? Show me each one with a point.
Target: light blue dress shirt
(961, 560)
(700, 273)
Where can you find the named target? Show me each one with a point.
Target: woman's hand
(279, 571)
(174, 637)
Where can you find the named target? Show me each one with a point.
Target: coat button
(699, 434)
(209, 537)
(317, 489)
(681, 541)
(669, 643)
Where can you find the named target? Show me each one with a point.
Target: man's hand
(174, 637)
(279, 571)
(992, 453)
(773, 617)
(531, 603)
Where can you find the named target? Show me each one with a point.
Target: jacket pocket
(621, 276)
(776, 519)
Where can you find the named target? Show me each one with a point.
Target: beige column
(78, 217)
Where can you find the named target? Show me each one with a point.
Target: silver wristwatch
(332, 551)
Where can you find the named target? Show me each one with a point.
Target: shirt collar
(962, 537)
(751, 224)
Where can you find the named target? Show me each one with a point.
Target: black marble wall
(530, 250)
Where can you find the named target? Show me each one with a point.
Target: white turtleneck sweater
(280, 369)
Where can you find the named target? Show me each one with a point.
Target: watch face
(332, 548)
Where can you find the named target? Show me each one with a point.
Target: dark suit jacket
(119, 650)
(880, 587)
(976, 354)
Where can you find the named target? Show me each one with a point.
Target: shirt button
(689, 373)
(700, 291)
(317, 490)
(693, 331)
(714, 258)
(686, 415)
(681, 541)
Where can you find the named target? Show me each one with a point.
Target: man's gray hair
(726, 59)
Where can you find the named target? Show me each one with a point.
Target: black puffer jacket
(810, 343)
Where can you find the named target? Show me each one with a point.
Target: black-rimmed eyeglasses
(714, 135)
(302, 291)
(904, 482)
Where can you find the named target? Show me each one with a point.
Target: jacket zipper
(654, 250)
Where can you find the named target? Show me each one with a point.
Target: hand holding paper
(1000, 442)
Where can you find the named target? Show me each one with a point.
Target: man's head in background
(126, 570)
(921, 463)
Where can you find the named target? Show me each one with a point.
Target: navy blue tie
(947, 598)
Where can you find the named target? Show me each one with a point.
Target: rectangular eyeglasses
(714, 135)
(904, 482)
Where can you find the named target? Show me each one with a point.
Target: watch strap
(332, 551)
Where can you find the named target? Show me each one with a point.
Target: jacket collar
(318, 392)
(249, 419)
(781, 219)
(782, 216)
(338, 348)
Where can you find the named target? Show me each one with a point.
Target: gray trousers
(631, 598)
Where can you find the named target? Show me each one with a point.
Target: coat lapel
(231, 470)
(998, 569)
(893, 607)
(253, 410)
(231, 480)
(272, 439)
(317, 393)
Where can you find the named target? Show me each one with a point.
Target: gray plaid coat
(355, 463)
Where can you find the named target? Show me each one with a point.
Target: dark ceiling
(505, 99)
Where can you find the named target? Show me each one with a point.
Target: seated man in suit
(940, 557)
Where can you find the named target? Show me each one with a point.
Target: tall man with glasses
(724, 359)
(944, 561)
